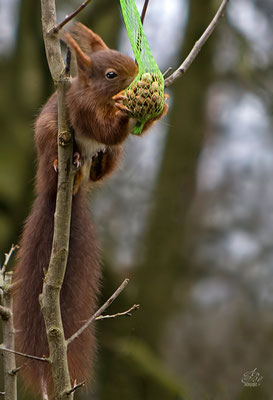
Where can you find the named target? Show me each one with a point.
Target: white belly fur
(89, 147)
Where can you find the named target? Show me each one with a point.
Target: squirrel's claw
(123, 108)
(55, 165)
(77, 161)
(120, 96)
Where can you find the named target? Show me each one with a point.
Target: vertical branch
(50, 297)
(52, 43)
(10, 376)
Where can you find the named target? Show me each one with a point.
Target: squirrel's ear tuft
(83, 61)
(87, 39)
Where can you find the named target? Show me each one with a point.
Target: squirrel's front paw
(118, 99)
(123, 109)
(120, 96)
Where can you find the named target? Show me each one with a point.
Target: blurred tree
(25, 85)
(225, 326)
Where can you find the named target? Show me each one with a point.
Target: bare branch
(139, 35)
(7, 257)
(79, 385)
(10, 287)
(127, 313)
(144, 9)
(68, 18)
(168, 70)
(50, 297)
(24, 355)
(198, 46)
(99, 312)
(14, 371)
(10, 381)
(52, 44)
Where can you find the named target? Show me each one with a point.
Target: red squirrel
(100, 127)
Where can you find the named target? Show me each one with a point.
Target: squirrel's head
(104, 71)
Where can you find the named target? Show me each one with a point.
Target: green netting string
(145, 95)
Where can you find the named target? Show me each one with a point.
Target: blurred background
(189, 215)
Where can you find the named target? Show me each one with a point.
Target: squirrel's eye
(111, 74)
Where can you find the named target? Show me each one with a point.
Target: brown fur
(100, 129)
(78, 295)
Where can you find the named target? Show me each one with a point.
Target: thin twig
(144, 9)
(198, 46)
(127, 313)
(69, 17)
(168, 70)
(7, 257)
(143, 14)
(79, 385)
(99, 312)
(24, 355)
(14, 371)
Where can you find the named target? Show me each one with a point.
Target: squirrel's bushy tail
(78, 295)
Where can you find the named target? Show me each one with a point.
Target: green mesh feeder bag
(145, 95)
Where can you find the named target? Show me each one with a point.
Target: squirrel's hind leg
(105, 162)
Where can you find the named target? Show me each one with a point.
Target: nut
(130, 94)
(141, 84)
(140, 100)
(145, 93)
(147, 77)
(154, 87)
(155, 97)
(137, 110)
